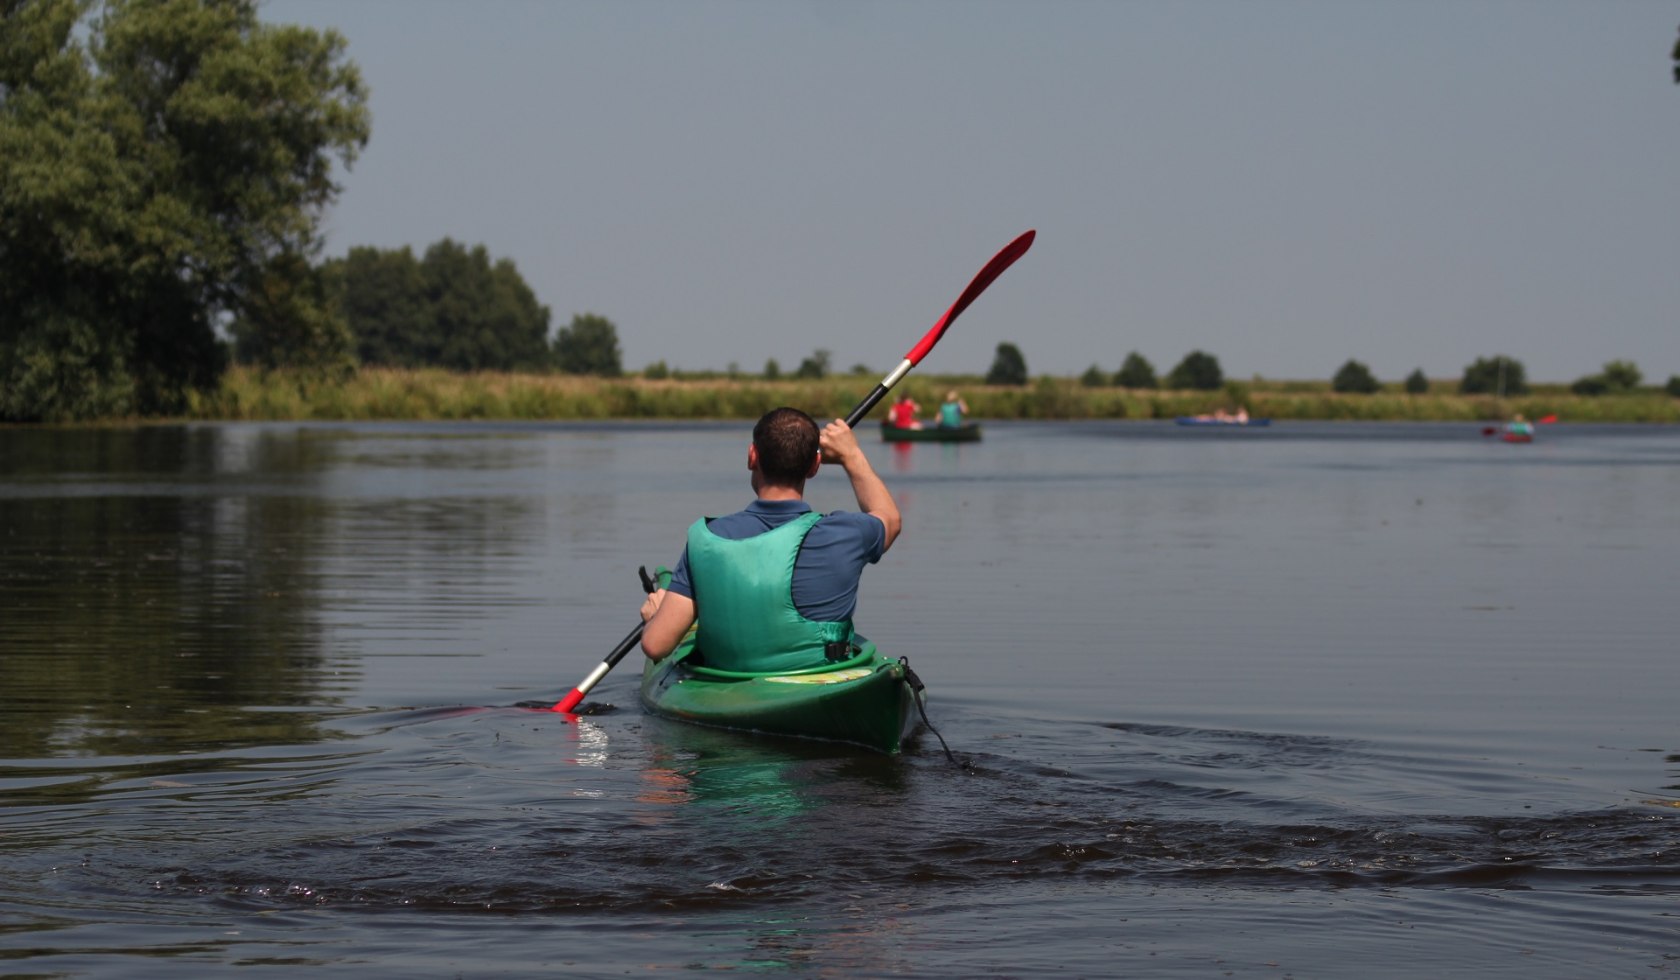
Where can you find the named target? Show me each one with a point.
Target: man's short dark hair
(787, 441)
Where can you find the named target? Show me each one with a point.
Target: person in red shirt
(903, 413)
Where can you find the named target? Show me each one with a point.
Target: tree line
(452, 307)
(164, 167)
(1496, 375)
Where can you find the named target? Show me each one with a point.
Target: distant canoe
(968, 432)
(1517, 436)
(1229, 423)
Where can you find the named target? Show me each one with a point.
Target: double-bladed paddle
(985, 277)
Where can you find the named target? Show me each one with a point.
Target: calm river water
(1319, 700)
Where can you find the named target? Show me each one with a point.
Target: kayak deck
(864, 701)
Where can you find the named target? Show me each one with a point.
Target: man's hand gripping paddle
(985, 277)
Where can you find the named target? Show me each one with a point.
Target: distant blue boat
(1228, 423)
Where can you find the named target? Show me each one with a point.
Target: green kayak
(864, 700)
(967, 432)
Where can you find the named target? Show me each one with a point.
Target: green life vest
(950, 415)
(743, 592)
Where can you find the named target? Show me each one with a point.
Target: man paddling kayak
(775, 585)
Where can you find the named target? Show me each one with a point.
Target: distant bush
(1673, 386)
(1497, 375)
(772, 370)
(1008, 366)
(588, 345)
(1618, 377)
(1622, 375)
(1199, 370)
(1416, 383)
(657, 371)
(1136, 372)
(814, 367)
(1094, 377)
(1355, 378)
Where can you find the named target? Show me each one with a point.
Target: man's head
(785, 442)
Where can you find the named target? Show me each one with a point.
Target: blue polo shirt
(830, 562)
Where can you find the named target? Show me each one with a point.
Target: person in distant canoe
(1520, 427)
(902, 414)
(775, 585)
(951, 411)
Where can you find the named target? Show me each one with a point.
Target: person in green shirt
(951, 411)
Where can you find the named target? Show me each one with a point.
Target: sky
(1284, 184)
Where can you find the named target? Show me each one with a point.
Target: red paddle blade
(986, 276)
(1547, 419)
(570, 701)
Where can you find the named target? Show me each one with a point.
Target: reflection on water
(1312, 701)
(747, 785)
(146, 612)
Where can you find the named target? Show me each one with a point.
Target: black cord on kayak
(917, 689)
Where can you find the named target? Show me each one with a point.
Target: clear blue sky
(1413, 183)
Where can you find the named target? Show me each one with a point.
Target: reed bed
(428, 394)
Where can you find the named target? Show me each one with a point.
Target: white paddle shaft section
(594, 677)
(898, 373)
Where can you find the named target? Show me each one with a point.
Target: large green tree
(163, 168)
(452, 308)
(484, 316)
(383, 297)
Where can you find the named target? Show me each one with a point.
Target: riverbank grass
(430, 394)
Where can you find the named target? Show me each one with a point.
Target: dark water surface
(1316, 700)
